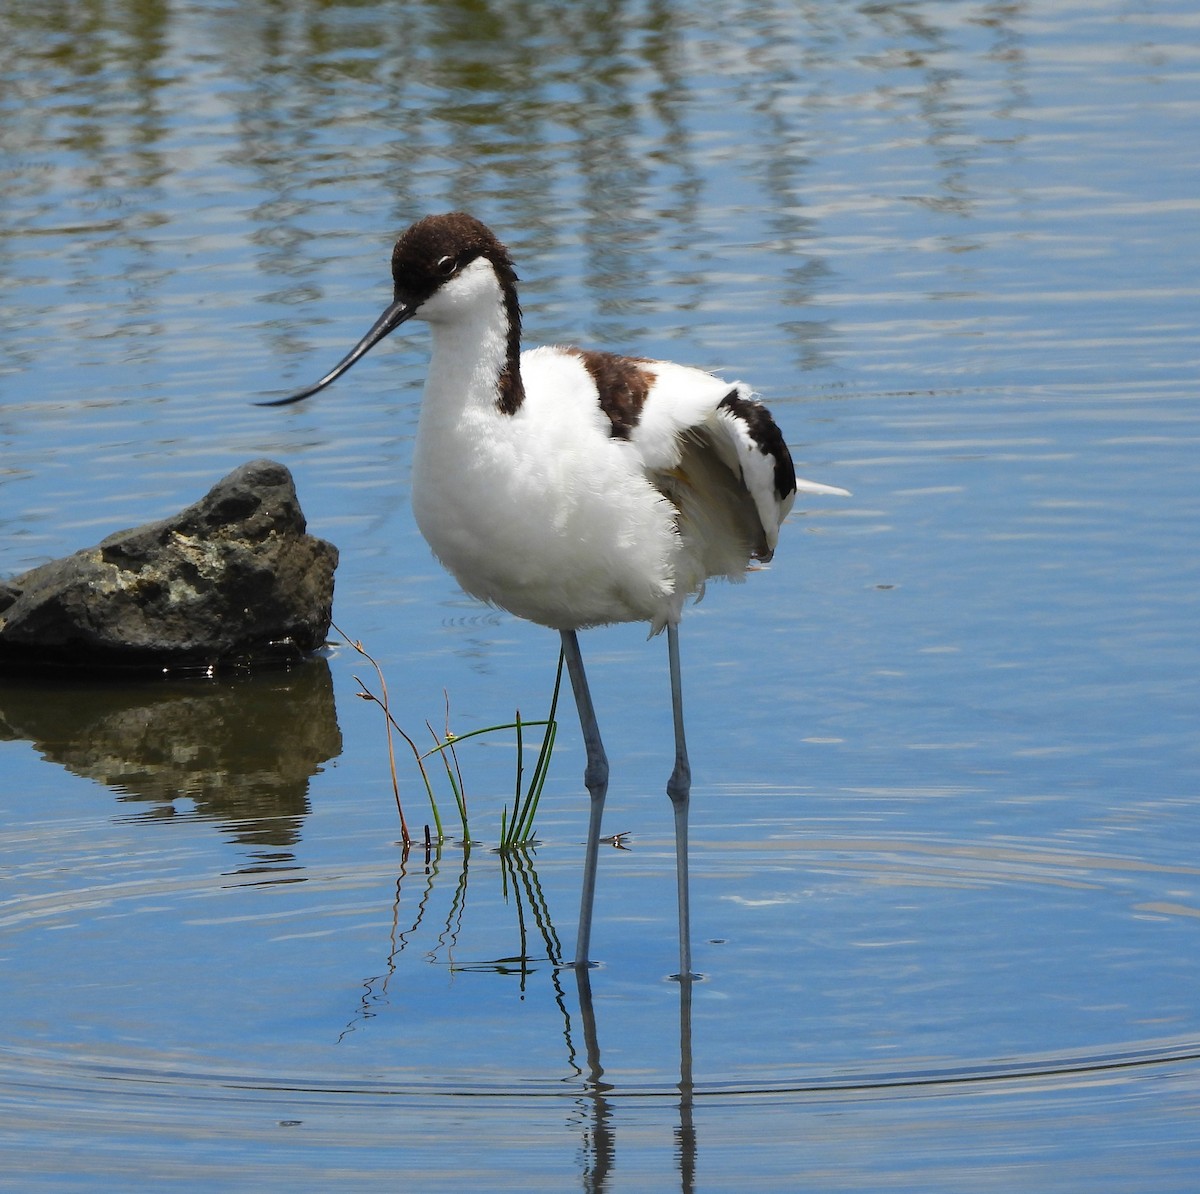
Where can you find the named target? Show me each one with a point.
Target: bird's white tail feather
(803, 486)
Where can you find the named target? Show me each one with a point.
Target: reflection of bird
(572, 487)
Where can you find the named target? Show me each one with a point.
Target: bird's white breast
(541, 512)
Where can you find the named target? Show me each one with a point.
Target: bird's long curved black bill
(387, 323)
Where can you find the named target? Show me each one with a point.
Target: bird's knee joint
(679, 786)
(595, 779)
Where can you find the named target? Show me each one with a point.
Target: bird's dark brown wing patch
(622, 384)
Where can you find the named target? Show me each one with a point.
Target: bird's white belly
(559, 536)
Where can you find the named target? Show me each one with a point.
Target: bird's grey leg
(595, 778)
(679, 788)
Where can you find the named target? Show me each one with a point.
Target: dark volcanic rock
(233, 579)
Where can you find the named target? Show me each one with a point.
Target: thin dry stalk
(388, 722)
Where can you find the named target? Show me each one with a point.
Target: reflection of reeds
(515, 830)
(521, 888)
(592, 1111)
(519, 874)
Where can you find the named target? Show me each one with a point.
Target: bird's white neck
(476, 345)
(460, 464)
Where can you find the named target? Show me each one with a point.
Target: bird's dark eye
(446, 266)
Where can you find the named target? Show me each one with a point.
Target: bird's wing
(664, 411)
(688, 405)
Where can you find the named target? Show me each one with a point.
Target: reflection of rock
(233, 578)
(241, 748)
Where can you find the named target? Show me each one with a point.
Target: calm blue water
(946, 882)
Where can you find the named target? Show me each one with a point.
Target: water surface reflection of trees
(621, 140)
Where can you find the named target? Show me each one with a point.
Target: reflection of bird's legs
(679, 788)
(599, 1135)
(595, 779)
(685, 1134)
